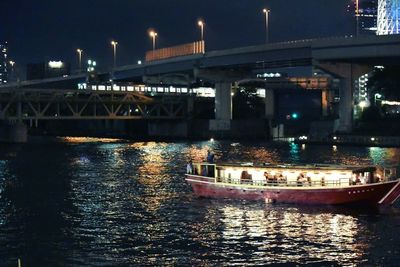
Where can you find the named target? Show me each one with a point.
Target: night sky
(39, 30)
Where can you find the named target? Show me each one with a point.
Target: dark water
(83, 202)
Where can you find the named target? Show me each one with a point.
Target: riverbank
(361, 140)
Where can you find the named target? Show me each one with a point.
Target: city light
(91, 65)
(56, 64)
(153, 36)
(363, 104)
(266, 12)
(79, 51)
(114, 45)
(201, 25)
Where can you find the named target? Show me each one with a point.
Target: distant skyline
(39, 31)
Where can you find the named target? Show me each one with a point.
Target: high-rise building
(3, 63)
(368, 14)
(365, 15)
(388, 17)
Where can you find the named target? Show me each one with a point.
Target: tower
(388, 17)
(3, 63)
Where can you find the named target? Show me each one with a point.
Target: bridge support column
(347, 73)
(346, 105)
(270, 109)
(14, 133)
(269, 104)
(223, 107)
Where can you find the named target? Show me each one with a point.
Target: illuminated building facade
(368, 12)
(388, 17)
(366, 15)
(3, 63)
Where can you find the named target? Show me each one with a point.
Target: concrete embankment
(380, 141)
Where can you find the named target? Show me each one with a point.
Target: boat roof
(315, 166)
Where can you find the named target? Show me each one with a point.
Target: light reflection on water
(324, 237)
(110, 203)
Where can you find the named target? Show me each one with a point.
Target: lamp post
(79, 51)
(12, 63)
(266, 12)
(376, 97)
(201, 25)
(153, 35)
(114, 45)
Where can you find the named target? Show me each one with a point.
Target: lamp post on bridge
(153, 35)
(266, 12)
(114, 45)
(79, 51)
(201, 24)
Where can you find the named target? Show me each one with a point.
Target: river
(102, 202)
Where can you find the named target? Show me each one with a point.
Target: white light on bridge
(56, 64)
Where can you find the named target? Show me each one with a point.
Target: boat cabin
(294, 175)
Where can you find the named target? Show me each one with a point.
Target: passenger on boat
(189, 167)
(358, 180)
(210, 157)
(281, 179)
(301, 179)
(245, 176)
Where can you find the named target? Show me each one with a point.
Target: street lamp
(376, 97)
(201, 25)
(114, 44)
(153, 35)
(79, 51)
(266, 12)
(12, 63)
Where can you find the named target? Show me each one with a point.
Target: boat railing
(336, 183)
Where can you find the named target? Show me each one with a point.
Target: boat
(319, 184)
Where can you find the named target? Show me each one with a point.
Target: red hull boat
(308, 184)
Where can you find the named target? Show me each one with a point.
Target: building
(3, 63)
(361, 94)
(51, 69)
(368, 16)
(388, 17)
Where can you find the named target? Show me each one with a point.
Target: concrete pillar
(346, 105)
(190, 106)
(347, 73)
(223, 107)
(15, 133)
(269, 104)
(223, 101)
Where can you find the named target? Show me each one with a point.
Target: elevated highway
(344, 58)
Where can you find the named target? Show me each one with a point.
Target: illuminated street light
(153, 35)
(201, 25)
(79, 51)
(376, 97)
(266, 12)
(114, 44)
(363, 104)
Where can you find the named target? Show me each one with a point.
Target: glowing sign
(56, 64)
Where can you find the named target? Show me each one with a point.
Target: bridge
(345, 58)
